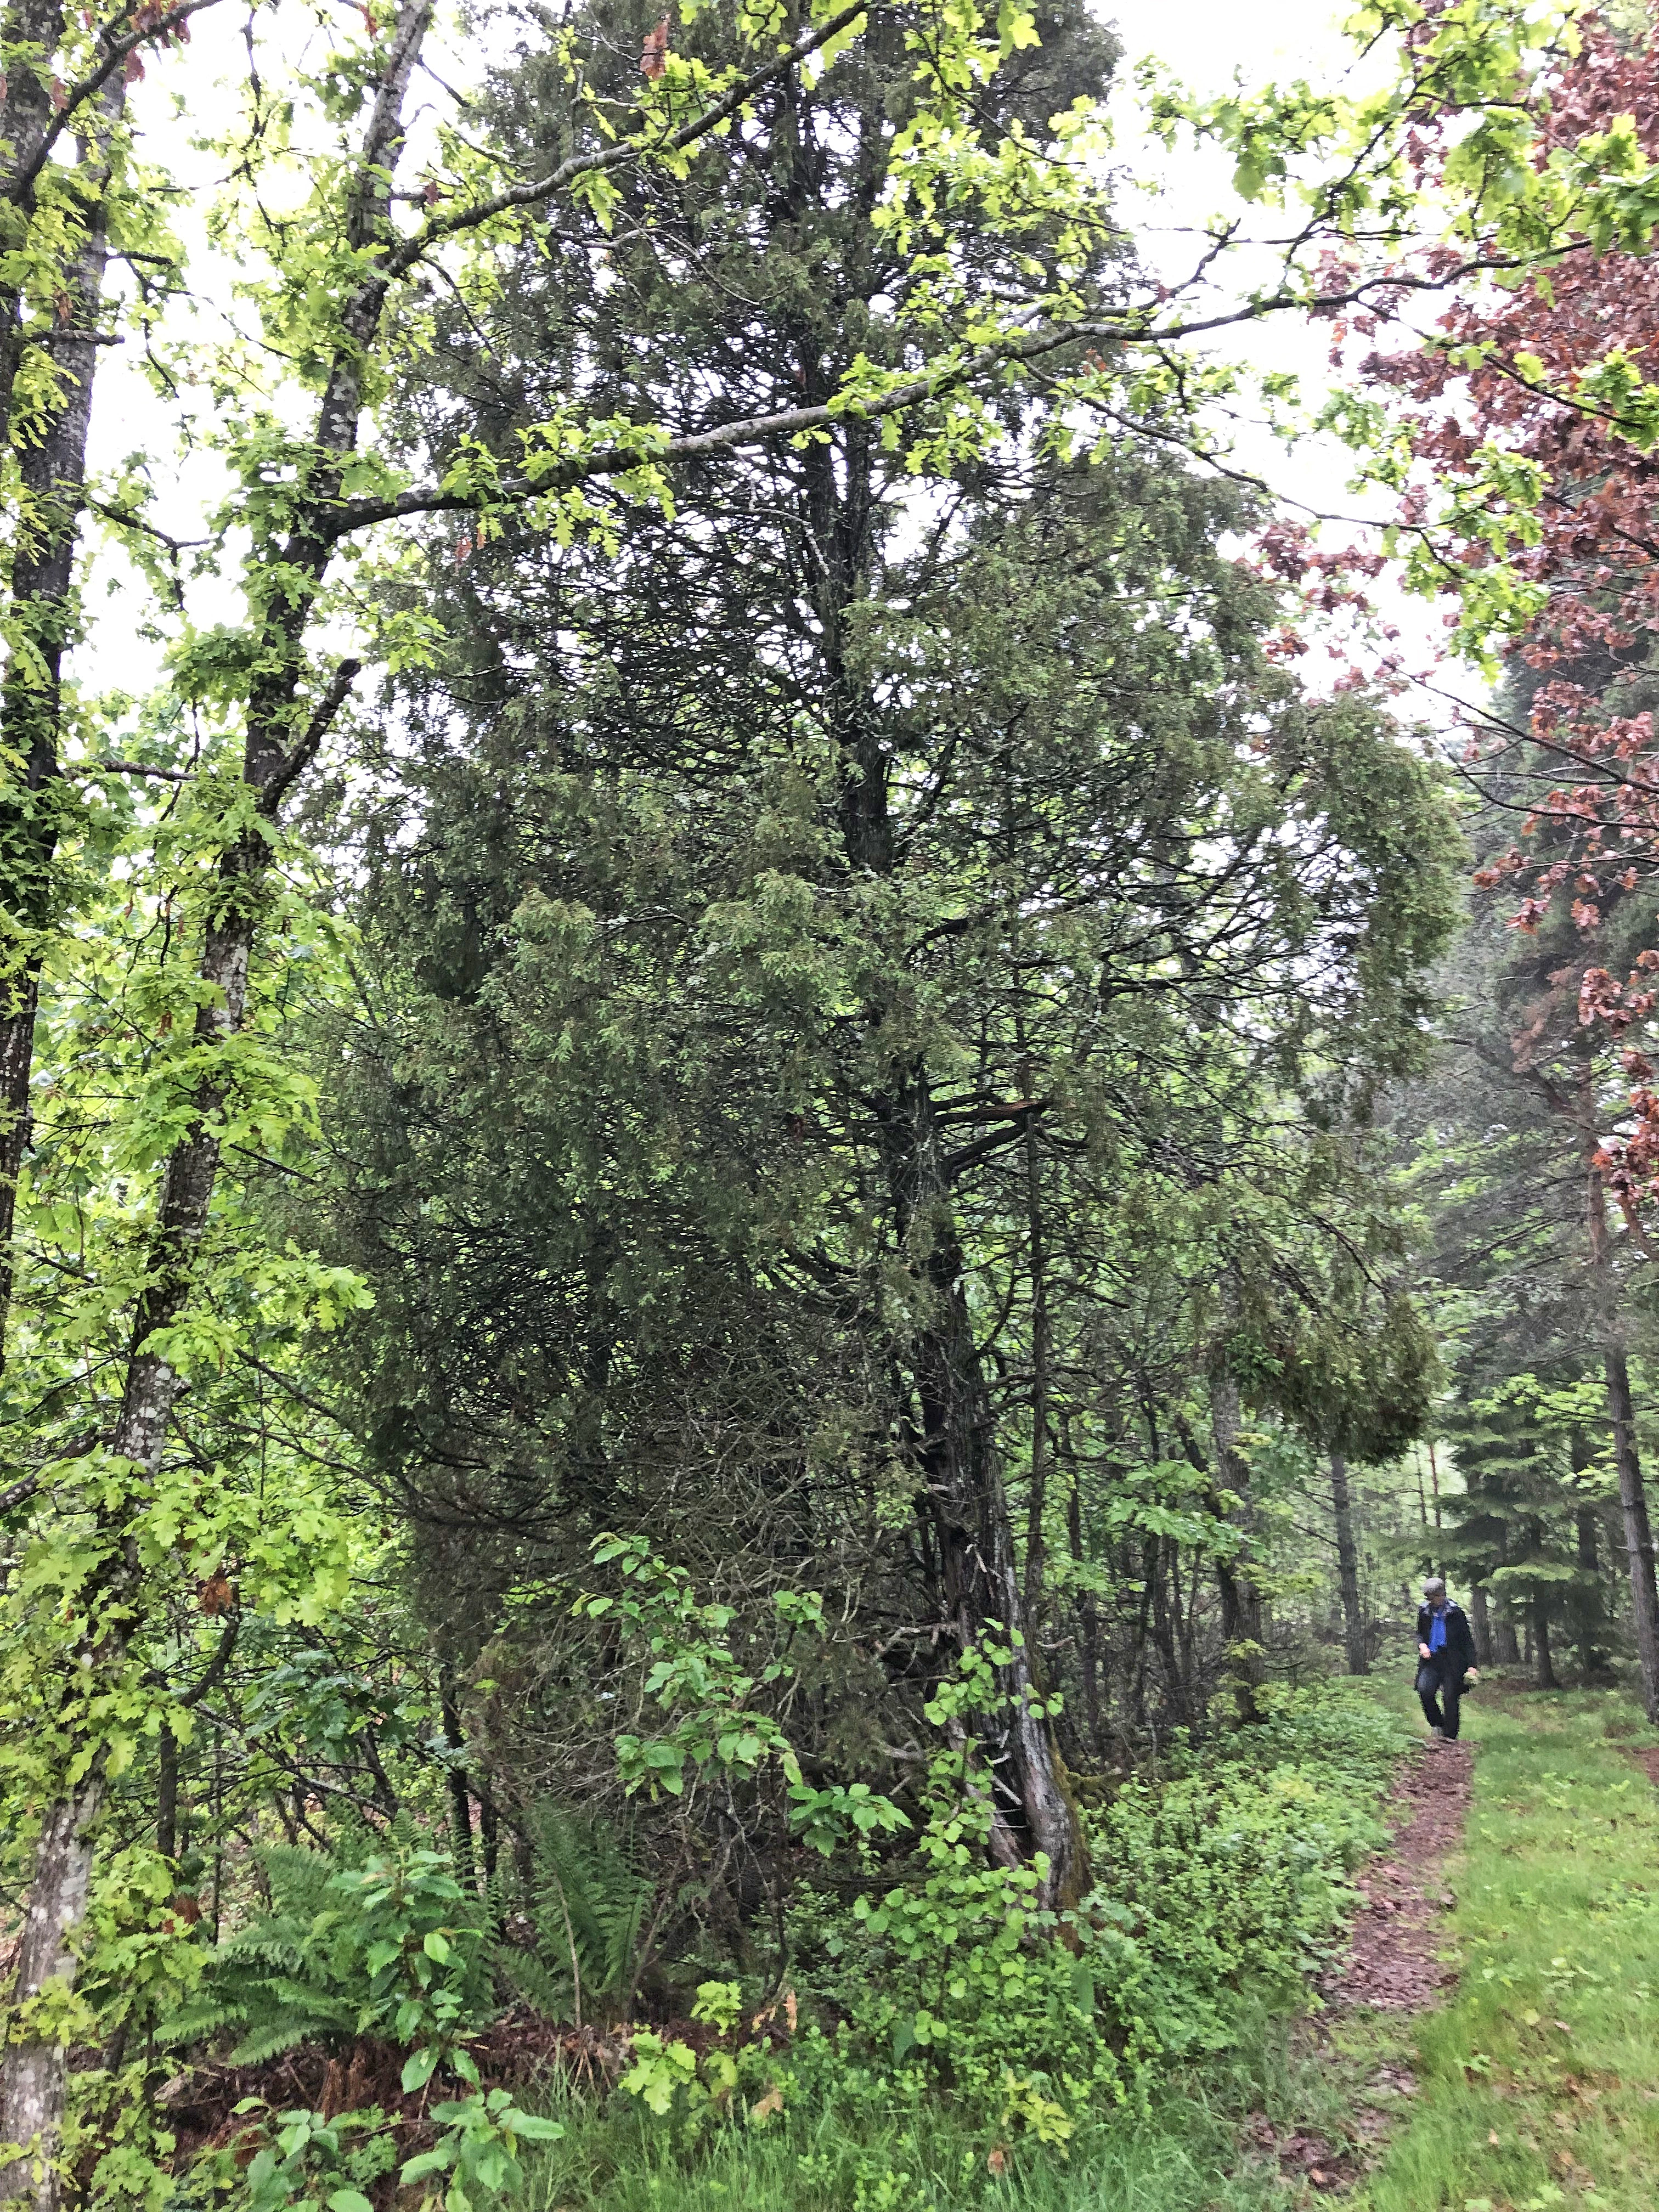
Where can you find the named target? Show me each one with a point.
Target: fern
(283, 1980)
(589, 1898)
(330, 1960)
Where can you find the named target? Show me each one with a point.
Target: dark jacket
(1458, 1655)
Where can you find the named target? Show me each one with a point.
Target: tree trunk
(1621, 1413)
(489, 1834)
(1544, 1663)
(1088, 1625)
(1154, 1556)
(32, 29)
(1241, 1606)
(276, 747)
(32, 2114)
(964, 1498)
(1348, 1563)
(1036, 1538)
(460, 1796)
(980, 1584)
(51, 468)
(1585, 1606)
(1480, 1619)
(1503, 1638)
(1638, 1532)
(52, 472)
(166, 1795)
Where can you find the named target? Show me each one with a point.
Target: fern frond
(591, 1898)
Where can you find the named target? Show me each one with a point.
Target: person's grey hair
(1434, 1586)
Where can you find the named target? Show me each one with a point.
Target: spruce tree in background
(1513, 1528)
(1540, 1274)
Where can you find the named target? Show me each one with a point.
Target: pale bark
(33, 2084)
(26, 113)
(32, 2115)
(51, 469)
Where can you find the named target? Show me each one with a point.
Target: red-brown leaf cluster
(1596, 560)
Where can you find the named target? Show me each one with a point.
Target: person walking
(1445, 1659)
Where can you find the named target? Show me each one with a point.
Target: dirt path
(1391, 1965)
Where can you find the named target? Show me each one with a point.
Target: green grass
(1540, 2081)
(1550, 2046)
(1182, 2155)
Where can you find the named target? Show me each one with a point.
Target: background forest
(779, 1134)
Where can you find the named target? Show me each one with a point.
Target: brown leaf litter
(1392, 1963)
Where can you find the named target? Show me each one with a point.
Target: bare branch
(315, 731)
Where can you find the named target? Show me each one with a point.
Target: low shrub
(1225, 1883)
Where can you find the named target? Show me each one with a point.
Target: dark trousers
(1442, 1696)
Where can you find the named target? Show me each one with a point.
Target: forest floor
(1491, 2043)
(1355, 2057)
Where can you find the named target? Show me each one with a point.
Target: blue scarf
(1437, 1630)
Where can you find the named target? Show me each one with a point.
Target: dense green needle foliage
(736, 1114)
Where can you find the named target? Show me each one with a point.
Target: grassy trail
(1539, 2081)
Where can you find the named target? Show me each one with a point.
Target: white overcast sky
(1211, 46)
(1203, 42)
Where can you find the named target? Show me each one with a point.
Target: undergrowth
(955, 2046)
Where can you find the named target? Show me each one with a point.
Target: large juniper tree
(824, 947)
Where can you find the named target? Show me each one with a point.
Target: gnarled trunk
(967, 1507)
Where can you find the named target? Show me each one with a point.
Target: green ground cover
(1538, 2084)
(1182, 2155)
(1127, 2080)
